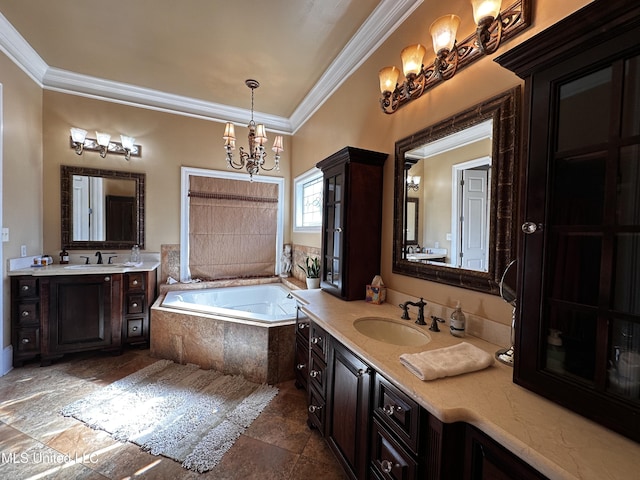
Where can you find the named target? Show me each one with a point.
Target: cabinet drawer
(317, 376)
(27, 287)
(397, 411)
(135, 304)
(302, 328)
(28, 340)
(388, 458)
(27, 313)
(316, 410)
(318, 341)
(135, 328)
(302, 363)
(135, 281)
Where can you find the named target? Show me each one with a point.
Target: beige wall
(168, 142)
(352, 116)
(22, 180)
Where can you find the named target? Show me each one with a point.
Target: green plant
(311, 268)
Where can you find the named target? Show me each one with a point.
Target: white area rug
(179, 411)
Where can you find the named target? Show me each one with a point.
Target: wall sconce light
(103, 144)
(493, 26)
(413, 183)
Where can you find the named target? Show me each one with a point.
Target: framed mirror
(101, 209)
(467, 171)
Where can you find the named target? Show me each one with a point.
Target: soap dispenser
(457, 322)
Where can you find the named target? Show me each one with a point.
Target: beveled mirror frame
(504, 110)
(66, 214)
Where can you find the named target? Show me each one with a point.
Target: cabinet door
(79, 316)
(579, 339)
(333, 232)
(487, 460)
(349, 396)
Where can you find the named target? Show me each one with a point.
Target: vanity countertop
(555, 441)
(81, 269)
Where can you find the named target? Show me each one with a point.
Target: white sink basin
(94, 265)
(389, 330)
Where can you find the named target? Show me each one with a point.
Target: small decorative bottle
(135, 254)
(457, 322)
(64, 257)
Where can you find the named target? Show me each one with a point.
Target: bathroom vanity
(383, 422)
(61, 309)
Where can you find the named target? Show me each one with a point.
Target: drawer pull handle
(316, 340)
(363, 371)
(134, 329)
(106, 279)
(134, 304)
(135, 282)
(25, 288)
(314, 374)
(314, 408)
(391, 409)
(25, 313)
(301, 366)
(25, 340)
(302, 326)
(387, 466)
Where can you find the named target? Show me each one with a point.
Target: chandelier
(252, 160)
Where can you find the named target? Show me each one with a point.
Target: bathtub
(270, 303)
(247, 330)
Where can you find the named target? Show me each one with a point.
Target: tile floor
(36, 442)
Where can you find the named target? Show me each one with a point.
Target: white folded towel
(446, 362)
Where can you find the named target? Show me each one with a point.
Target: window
(230, 227)
(308, 201)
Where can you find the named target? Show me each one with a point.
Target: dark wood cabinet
(317, 381)
(487, 460)
(352, 221)
(348, 401)
(139, 294)
(59, 314)
(302, 349)
(578, 331)
(25, 318)
(79, 313)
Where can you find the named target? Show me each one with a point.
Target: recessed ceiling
(203, 50)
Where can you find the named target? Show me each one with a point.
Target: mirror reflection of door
(88, 208)
(470, 211)
(455, 192)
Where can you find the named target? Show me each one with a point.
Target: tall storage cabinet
(352, 221)
(578, 334)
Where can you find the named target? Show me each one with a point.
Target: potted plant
(312, 270)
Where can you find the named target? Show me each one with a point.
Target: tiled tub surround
(259, 351)
(557, 442)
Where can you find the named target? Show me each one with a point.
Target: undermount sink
(94, 265)
(389, 330)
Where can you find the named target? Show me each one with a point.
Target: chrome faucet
(405, 310)
(99, 255)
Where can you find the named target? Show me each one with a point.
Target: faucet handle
(405, 311)
(86, 259)
(434, 324)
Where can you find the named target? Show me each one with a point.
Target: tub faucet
(99, 255)
(405, 310)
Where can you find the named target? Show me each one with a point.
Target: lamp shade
(78, 135)
(485, 11)
(103, 139)
(261, 135)
(443, 32)
(229, 132)
(412, 59)
(388, 79)
(277, 145)
(127, 142)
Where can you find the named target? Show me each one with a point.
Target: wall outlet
(23, 250)
(5, 234)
